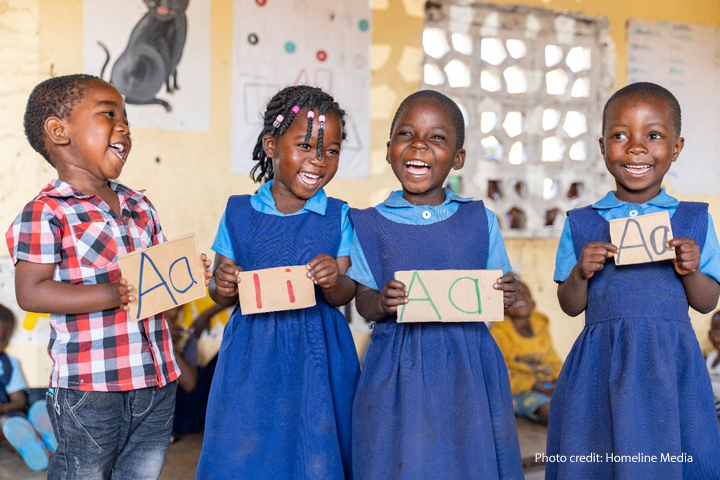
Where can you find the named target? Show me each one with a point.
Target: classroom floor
(182, 456)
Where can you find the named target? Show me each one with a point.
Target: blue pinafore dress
(635, 382)
(281, 398)
(434, 398)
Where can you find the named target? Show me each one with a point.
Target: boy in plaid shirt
(112, 387)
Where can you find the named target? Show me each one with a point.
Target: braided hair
(280, 113)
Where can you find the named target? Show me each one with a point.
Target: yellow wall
(191, 182)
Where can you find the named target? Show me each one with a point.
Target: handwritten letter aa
(451, 296)
(642, 239)
(275, 289)
(164, 276)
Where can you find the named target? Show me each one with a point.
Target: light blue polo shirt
(264, 202)
(610, 208)
(17, 381)
(399, 210)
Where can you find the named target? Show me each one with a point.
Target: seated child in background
(194, 383)
(28, 435)
(533, 364)
(713, 359)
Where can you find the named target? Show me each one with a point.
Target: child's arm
(374, 306)
(573, 292)
(224, 283)
(37, 291)
(338, 289)
(702, 291)
(16, 403)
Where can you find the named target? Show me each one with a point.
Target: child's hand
(393, 294)
(206, 263)
(510, 287)
(593, 256)
(687, 255)
(123, 293)
(323, 270)
(227, 279)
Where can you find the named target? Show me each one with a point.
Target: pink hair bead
(311, 114)
(278, 121)
(295, 109)
(321, 119)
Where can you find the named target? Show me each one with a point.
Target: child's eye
(438, 137)
(655, 136)
(304, 146)
(110, 114)
(619, 136)
(333, 151)
(403, 133)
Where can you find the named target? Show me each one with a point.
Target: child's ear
(602, 146)
(55, 131)
(387, 152)
(678, 148)
(459, 160)
(268, 142)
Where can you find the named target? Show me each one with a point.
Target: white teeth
(309, 178)
(637, 168)
(311, 175)
(417, 163)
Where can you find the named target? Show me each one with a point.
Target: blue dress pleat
(281, 398)
(635, 382)
(433, 399)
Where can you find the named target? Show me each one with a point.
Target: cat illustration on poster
(153, 52)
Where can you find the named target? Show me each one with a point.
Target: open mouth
(417, 167)
(309, 179)
(637, 170)
(119, 150)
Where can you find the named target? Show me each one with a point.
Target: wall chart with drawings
(324, 43)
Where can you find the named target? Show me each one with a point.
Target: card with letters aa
(642, 239)
(451, 296)
(164, 276)
(275, 289)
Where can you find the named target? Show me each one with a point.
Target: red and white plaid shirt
(97, 351)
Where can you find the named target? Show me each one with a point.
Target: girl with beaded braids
(281, 399)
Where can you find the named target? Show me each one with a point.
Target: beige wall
(191, 181)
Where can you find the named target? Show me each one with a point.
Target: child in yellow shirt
(533, 364)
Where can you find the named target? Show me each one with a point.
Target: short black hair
(647, 89)
(280, 113)
(54, 97)
(7, 317)
(446, 102)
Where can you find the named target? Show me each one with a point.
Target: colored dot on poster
(363, 25)
(253, 39)
(321, 55)
(261, 3)
(290, 47)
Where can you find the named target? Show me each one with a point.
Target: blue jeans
(110, 435)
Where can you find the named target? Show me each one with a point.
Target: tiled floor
(183, 455)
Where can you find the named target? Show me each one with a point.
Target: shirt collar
(315, 204)
(61, 189)
(396, 200)
(661, 200)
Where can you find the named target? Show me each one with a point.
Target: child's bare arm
(16, 403)
(374, 306)
(224, 283)
(37, 291)
(328, 272)
(702, 291)
(573, 292)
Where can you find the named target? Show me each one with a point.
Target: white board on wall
(685, 59)
(324, 43)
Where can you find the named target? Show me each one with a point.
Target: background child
(433, 399)
(635, 381)
(713, 359)
(281, 398)
(28, 435)
(533, 365)
(113, 379)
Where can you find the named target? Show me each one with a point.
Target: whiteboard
(685, 59)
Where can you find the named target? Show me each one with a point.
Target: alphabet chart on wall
(324, 43)
(685, 59)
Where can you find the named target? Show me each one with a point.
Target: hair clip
(278, 121)
(295, 109)
(311, 114)
(321, 119)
